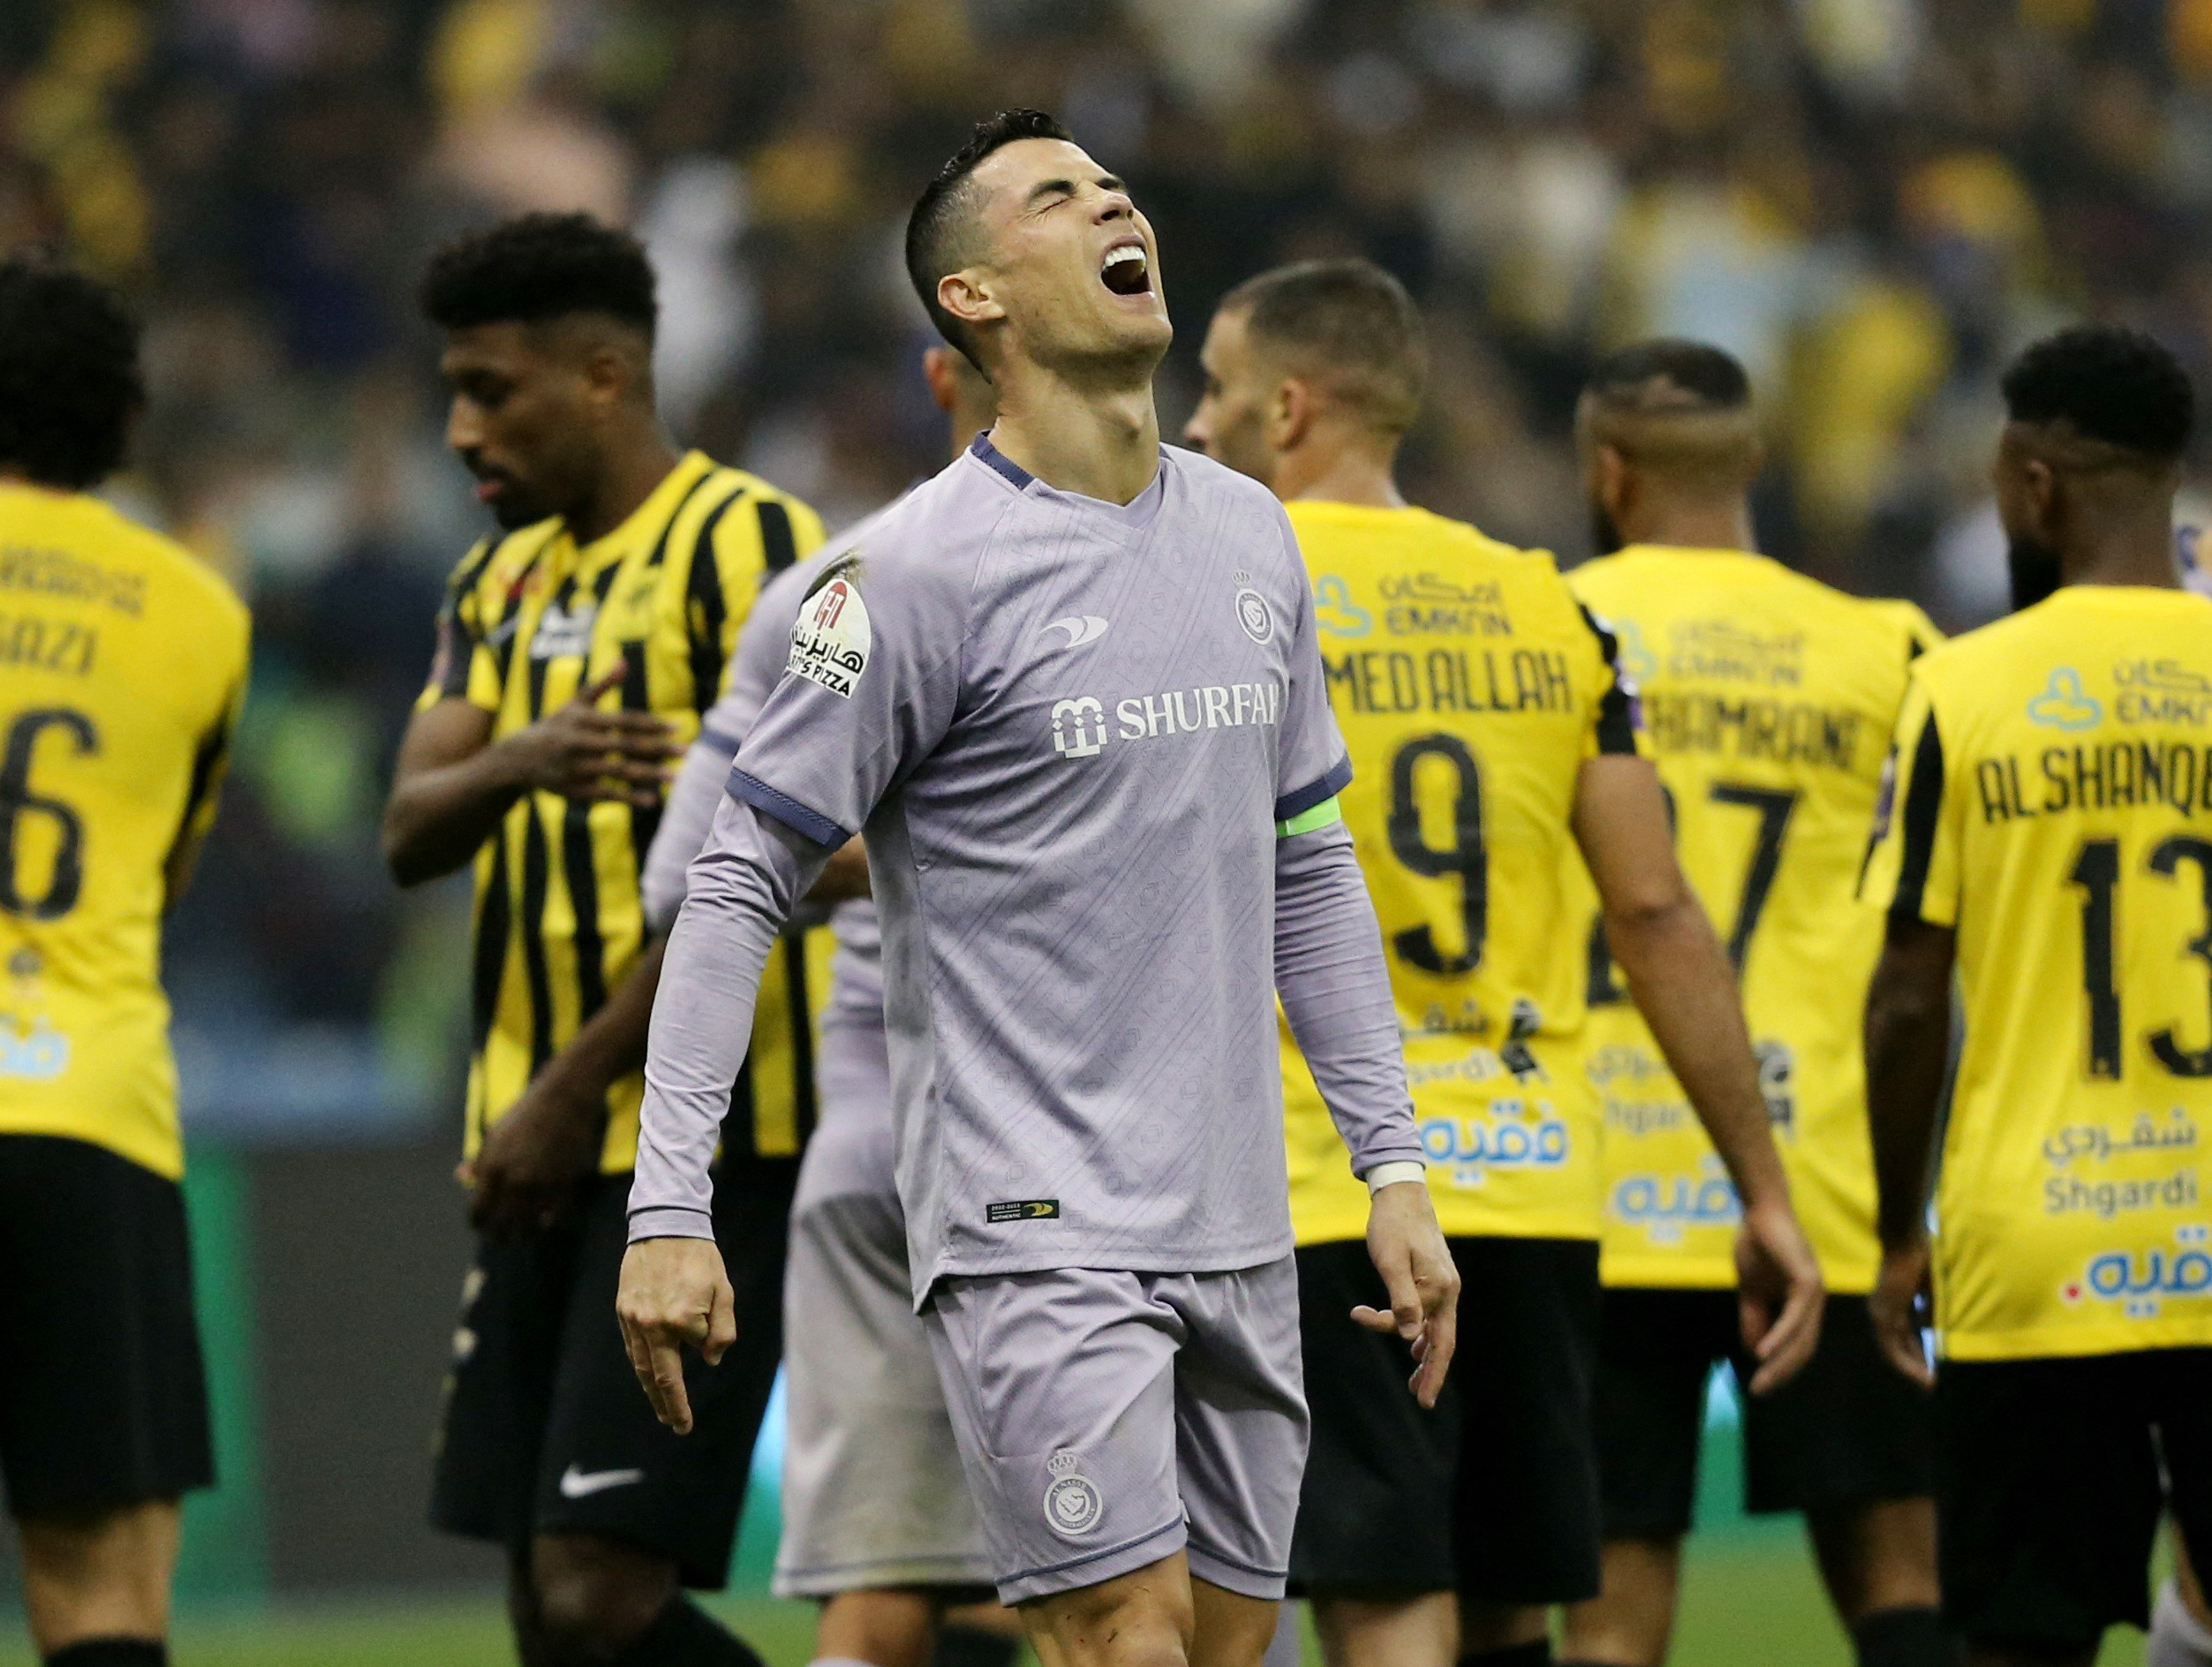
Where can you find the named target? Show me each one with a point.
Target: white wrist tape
(1390, 1174)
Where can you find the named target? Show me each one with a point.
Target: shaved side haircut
(938, 241)
(1680, 409)
(1347, 324)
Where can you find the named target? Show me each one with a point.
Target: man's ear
(2045, 495)
(1289, 413)
(966, 295)
(611, 374)
(1610, 479)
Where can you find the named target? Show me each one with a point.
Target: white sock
(2177, 1639)
(838, 1660)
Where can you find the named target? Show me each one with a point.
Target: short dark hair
(2113, 384)
(540, 266)
(69, 373)
(1714, 380)
(932, 230)
(1354, 317)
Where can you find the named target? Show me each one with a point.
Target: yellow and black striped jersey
(1470, 687)
(530, 618)
(2052, 788)
(123, 663)
(1768, 699)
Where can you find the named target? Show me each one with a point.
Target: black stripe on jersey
(706, 609)
(802, 1107)
(645, 819)
(582, 875)
(490, 947)
(1923, 803)
(1616, 707)
(502, 632)
(536, 864)
(660, 544)
(777, 545)
(581, 872)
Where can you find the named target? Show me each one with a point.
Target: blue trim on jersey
(1014, 471)
(725, 744)
(1292, 805)
(752, 790)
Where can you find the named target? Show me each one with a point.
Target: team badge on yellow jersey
(1769, 699)
(1470, 687)
(2052, 802)
(123, 664)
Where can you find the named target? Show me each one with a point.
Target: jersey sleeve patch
(832, 638)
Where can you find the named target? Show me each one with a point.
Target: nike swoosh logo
(581, 1484)
(1081, 629)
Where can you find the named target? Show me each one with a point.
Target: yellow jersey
(530, 618)
(123, 664)
(1769, 699)
(2053, 805)
(1470, 687)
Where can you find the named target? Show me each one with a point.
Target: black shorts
(2048, 1489)
(1849, 1429)
(546, 1430)
(1388, 1505)
(103, 1399)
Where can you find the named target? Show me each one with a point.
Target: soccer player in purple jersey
(1069, 688)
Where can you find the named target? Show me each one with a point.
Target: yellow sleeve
(461, 665)
(1911, 866)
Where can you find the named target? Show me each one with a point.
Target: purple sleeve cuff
(670, 1221)
(800, 819)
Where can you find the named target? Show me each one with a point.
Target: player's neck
(1350, 473)
(2137, 552)
(1691, 525)
(1099, 442)
(630, 472)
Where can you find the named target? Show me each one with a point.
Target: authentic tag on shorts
(1023, 1209)
(831, 640)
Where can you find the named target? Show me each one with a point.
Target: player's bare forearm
(550, 1140)
(1680, 980)
(1676, 970)
(449, 789)
(1907, 1044)
(611, 1044)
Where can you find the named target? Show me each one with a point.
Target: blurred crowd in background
(1871, 202)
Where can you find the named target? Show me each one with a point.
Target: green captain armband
(1322, 815)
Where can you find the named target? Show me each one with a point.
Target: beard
(1604, 537)
(2035, 571)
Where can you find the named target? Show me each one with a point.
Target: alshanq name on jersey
(2099, 777)
(1376, 680)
